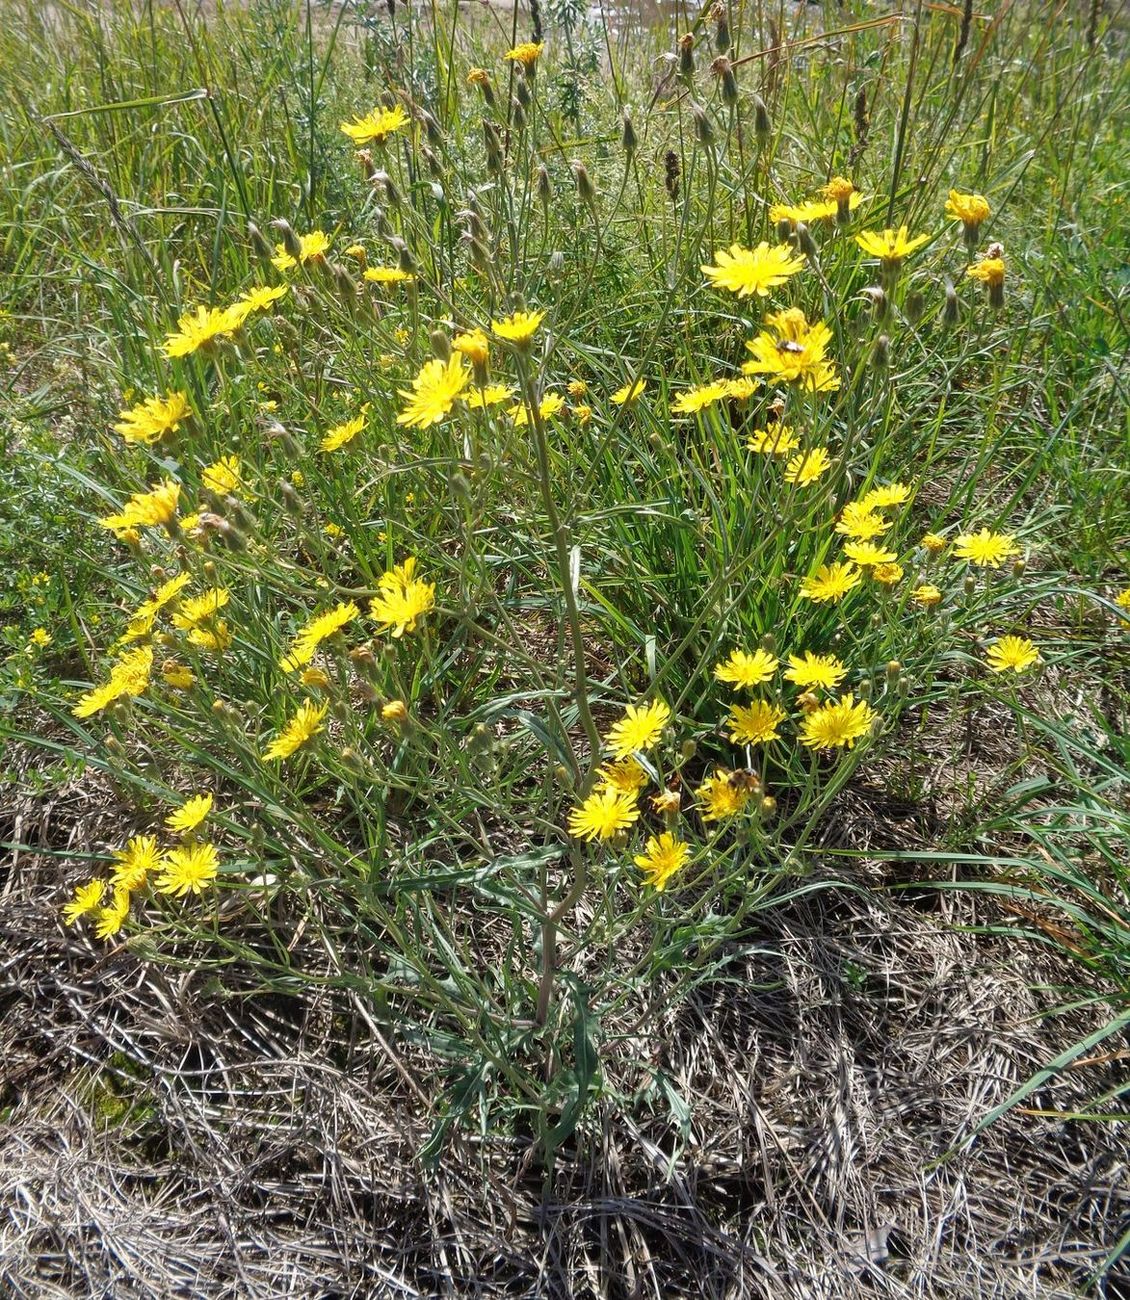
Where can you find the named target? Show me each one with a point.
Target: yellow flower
(747, 271)
(491, 395)
(109, 920)
(403, 599)
(178, 676)
(87, 898)
(199, 329)
(434, 392)
(807, 467)
(375, 127)
(150, 420)
(134, 863)
(663, 855)
(933, 542)
(881, 498)
(1122, 600)
(315, 679)
(306, 643)
(625, 776)
(259, 297)
(582, 413)
(129, 677)
(775, 440)
(837, 724)
(990, 271)
(859, 521)
(1012, 654)
(755, 724)
(190, 814)
(985, 548)
(795, 352)
(808, 212)
(387, 275)
(639, 728)
(142, 620)
(550, 405)
(666, 802)
(747, 670)
(200, 610)
(518, 328)
(188, 869)
(741, 390)
(719, 796)
(478, 77)
(815, 670)
(157, 507)
(300, 730)
(890, 246)
(474, 345)
(215, 637)
(343, 434)
(312, 248)
(867, 553)
(40, 637)
(577, 388)
(927, 595)
(970, 209)
(831, 582)
(888, 574)
(839, 189)
(697, 399)
(223, 477)
(395, 711)
(603, 815)
(629, 393)
(527, 53)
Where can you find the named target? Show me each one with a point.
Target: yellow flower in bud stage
(403, 599)
(177, 676)
(755, 724)
(625, 776)
(434, 392)
(387, 275)
(831, 582)
(891, 247)
(639, 729)
(1012, 654)
(775, 440)
(375, 127)
(745, 671)
(745, 271)
(341, 435)
(970, 209)
(888, 574)
(934, 542)
(129, 677)
(807, 467)
(986, 549)
(190, 814)
(582, 413)
(491, 395)
(551, 404)
(87, 898)
(152, 419)
(860, 521)
(663, 855)
(315, 679)
(629, 393)
(300, 730)
(868, 554)
(666, 803)
(794, 351)
(815, 670)
(927, 595)
(838, 724)
(526, 53)
(133, 864)
(474, 345)
(719, 796)
(313, 248)
(603, 815)
(306, 643)
(152, 509)
(882, 498)
(188, 869)
(108, 921)
(518, 328)
(199, 329)
(697, 399)
(223, 477)
(395, 711)
(577, 388)
(478, 77)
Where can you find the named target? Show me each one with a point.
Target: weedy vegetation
(566, 625)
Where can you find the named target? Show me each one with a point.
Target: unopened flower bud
(544, 186)
(290, 241)
(346, 288)
(209, 568)
(522, 93)
(784, 229)
(628, 139)
(460, 488)
(585, 190)
(915, 307)
(686, 56)
(292, 502)
(441, 344)
(431, 128)
(1018, 567)
(894, 669)
(351, 761)
(768, 643)
(762, 127)
(864, 689)
(969, 586)
(809, 702)
(388, 186)
(805, 242)
(556, 263)
(404, 257)
(721, 28)
(951, 312)
(115, 746)
(519, 116)
(724, 70)
(703, 130)
(259, 242)
(395, 712)
(880, 303)
(881, 356)
(365, 162)
(767, 807)
(687, 750)
(435, 167)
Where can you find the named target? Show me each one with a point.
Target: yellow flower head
(807, 467)
(663, 855)
(129, 677)
(134, 863)
(719, 796)
(518, 328)
(747, 271)
(989, 270)
(313, 247)
(260, 297)
(319, 629)
(190, 814)
(745, 671)
(755, 724)
(882, 498)
(868, 554)
(860, 521)
(625, 776)
(775, 440)
(177, 676)
(188, 869)
(341, 435)
(197, 611)
(838, 724)
(831, 583)
(603, 815)
(155, 508)
(812, 211)
(934, 542)
(87, 898)
(491, 395)
(639, 729)
(154, 418)
(839, 189)
(387, 275)
(891, 247)
(395, 712)
(550, 405)
(478, 77)
(200, 329)
(434, 392)
(927, 595)
(629, 393)
(376, 126)
(986, 549)
(970, 209)
(109, 920)
(527, 53)
(223, 477)
(794, 351)
(697, 399)
(474, 345)
(300, 730)
(403, 599)
(888, 574)
(1012, 654)
(815, 670)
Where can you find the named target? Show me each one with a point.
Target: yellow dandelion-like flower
(836, 725)
(108, 921)
(434, 392)
(868, 554)
(300, 730)
(577, 388)
(744, 670)
(518, 328)
(152, 419)
(190, 814)
(861, 522)
(891, 247)
(625, 776)
(145, 616)
(719, 796)
(697, 399)
(129, 677)
(491, 395)
(629, 393)
(87, 898)
(775, 440)
(315, 679)
(478, 77)
(986, 549)
(341, 435)
(223, 477)
(970, 209)
(1122, 600)
(639, 729)
(794, 351)
(927, 595)
(815, 670)
(403, 599)
(306, 643)
(200, 329)
(663, 855)
(755, 724)
(888, 574)
(177, 676)
(474, 345)
(40, 637)
(526, 53)
(134, 863)
(603, 815)
(188, 869)
(811, 211)
(551, 404)
(152, 509)
(807, 467)
(1014, 654)
(742, 389)
(376, 126)
(881, 498)
(313, 247)
(934, 542)
(746, 271)
(261, 297)
(387, 275)
(831, 582)
(197, 611)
